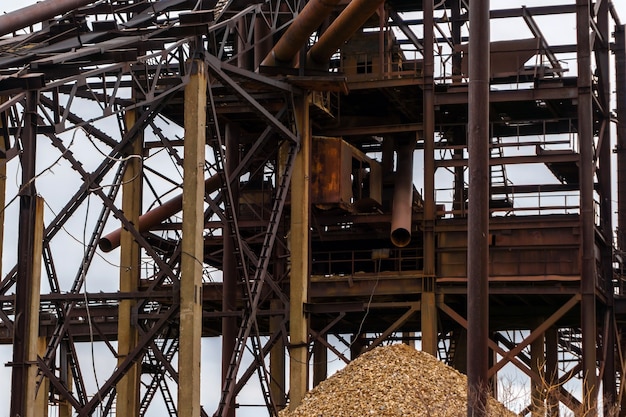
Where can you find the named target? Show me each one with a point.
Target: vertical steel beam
(41, 397)
(262, 40)
(609, 386)
(587, 218)
(229, 268)
(25, 258)
(537, 365)
(192, 253)
(428, 308)
(32, 337)
(300, 208)
(620, 88)
(320, 362)
(458, 205)
(478, 211)
(277, 358)
(552, 372)
(127, 402)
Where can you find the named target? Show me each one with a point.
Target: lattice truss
(78, 93)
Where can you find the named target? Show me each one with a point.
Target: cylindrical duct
(156, 216)
(402, 198)
(348, 22)
(309, 19)
(36, 13)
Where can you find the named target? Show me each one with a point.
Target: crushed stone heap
(394, 380)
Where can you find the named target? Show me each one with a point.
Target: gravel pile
(388, 381)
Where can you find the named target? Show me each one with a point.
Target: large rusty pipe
(155, 216)
(309, 19)
(344, 26)
(402, 198)
(36, 13)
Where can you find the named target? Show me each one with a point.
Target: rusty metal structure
(280, 185)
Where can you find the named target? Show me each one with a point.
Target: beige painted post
(41, 396)
(128, 388)
(300, 206)
(33, 326)
(192, 243)
(277, 359)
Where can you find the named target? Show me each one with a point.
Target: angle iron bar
(57, 384)
(399, 322)
(126, 104)
(224, 43)
(249, 318)
(253, 76)
(113, 94)
(329, 346)
(215, 66)
(133, 357)
(249, 322)
(116, 211)
(156, 359)
(167, 398)
(536, 31)
(74, 365)
(62, 324)
(256, 8)
(395, 17)
(11, 102)
(6, 321)
(76, 120)
(535, 333)
(247, 374)
(108, 406)
(53, 279)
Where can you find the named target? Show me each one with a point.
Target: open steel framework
(278, 185)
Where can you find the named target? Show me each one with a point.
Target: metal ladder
(497, 172)
(248, 328)
(158, 381)
(220, 8)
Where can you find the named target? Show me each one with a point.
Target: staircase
(498, 178)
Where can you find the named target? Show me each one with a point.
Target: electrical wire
(84, 279)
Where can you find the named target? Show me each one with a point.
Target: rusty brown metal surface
(402, 205)
(542, 243)
(155, 216)
(298, 33)
(40, 12)
(348, 21)
(478, 212)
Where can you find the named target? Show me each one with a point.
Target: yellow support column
(428, 307)
(192, 244)
(41, 396)
(277, 359)
(33, 326)
(300, 207)
(128, 387)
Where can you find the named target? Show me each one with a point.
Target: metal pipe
(478, 212)
(587, 215)
(36, 13)
(620, 88)
(309, 19)
(156, 215)
(402, 197)
(344, 26)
